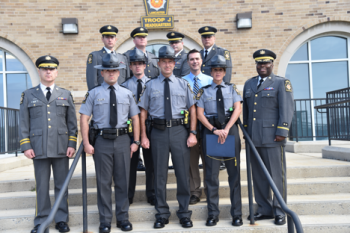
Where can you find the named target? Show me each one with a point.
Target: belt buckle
(117, 132)
(168, 124)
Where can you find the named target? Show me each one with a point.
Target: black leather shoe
(62, 227)
(152, 200)
(186, 222)
(170, 167)
(104, 228)
(237, 221)
(211, 221)
(194, 200)
(258, 216)
(35, 229)
(124, 225)
(140, 166)
(131, 200)
(222, 166)
(160, 222)
(280, 220)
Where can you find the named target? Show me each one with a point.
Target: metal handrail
(292, 216)
(64, 188)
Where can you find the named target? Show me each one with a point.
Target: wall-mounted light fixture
(244, 20)
(70, 26)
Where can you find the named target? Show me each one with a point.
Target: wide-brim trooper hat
(218, 61)
(137, 55)
(166, 52)
(110, 62)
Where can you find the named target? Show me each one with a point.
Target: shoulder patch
(189, 86)
(86, 96)
(134, 98)
(227, 55)
(199, 94)
(288, 85)
(89, 61)
(22, 96)
(235, 88)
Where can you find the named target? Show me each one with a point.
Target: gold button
(256, 95)
(203, 71)
(33, 134)
(203, 65)
(48, 105)
(48, 112)
(147, 65)
(268, 94)
(66, 132)
(49, 119)
(254, 119)
(273, 125)
(49, 126)
(149, 71)
(63, 104)
(254, 110)
(254, 103)
(34, 104)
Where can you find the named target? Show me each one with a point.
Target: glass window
(1, 91)
(298, 74)
(328, 47)
(1, 60)
(13, 64)
(301, 54)
(16, 84)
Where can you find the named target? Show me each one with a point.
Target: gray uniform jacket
(268, 111)
(206, 69)
(207, 98)
(132, 83)
(93, 76)
(152, 69)
(96, 103)
(47, 127)
(152, 97)
(181, 66)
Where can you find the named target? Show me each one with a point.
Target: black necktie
(260, 82)
(48, 93)
(139, 89)
(220, 105)
(206, 54)
(113, 107)
(167, 102)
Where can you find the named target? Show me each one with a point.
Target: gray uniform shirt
(207, 98)
(152, 97)
(47, 127)
(97, 103)
(94, 77)
(132, 83)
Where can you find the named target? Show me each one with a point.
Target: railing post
(290, 224)
(83, 166)
(249, 180)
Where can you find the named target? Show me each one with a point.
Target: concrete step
(141, 213)
(310, 186)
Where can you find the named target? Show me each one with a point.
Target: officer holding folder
(221, 103)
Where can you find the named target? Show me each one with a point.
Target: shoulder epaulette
(206, 86)
(229, 84)
(95, 87)
(124, 87)
(154, 77)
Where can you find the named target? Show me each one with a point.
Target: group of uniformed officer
(156, 102)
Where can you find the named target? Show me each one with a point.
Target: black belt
(109, 133)
(171, 123)
(215, 122)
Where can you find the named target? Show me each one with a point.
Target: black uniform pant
(275, 162)
(172, 139)
(112, 160)
(234, 179)
(42, 171)
(147, 156)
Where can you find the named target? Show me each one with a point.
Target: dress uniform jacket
(93, 76)
(206, 65)
(181, 66)
(47, 127)
(152, 69)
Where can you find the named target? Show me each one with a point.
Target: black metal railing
(292, 217)
(338, 114)
(64, 188)
(9, 138)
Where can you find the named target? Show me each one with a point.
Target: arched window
(14, 79)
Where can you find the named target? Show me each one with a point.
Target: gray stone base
(336, 152)
(311, 146)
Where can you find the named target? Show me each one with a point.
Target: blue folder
(216, 149)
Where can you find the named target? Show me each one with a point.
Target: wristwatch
(137, 143)
(194, 132)
(213, 129)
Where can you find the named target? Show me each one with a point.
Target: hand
(225, 132)
(145, 142)
(29, 153)
(89, 149)
(221, 134)
(70, 152)
(133, 148)
(191, 140)
(279, 138)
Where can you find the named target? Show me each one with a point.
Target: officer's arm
(91, 72)
(72, 123)
(84, 127)
(24, 125)
(227, 77)
(193, 115)
(143, 117)
(286, 108)
(235, 115)
(136, 127)
(203, 119)
(245, 108)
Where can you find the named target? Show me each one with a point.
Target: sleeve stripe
(24, 143)
(72, 137)
(24, 139)
(280, 127)
(72, 140)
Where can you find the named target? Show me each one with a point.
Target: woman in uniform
(218, 108)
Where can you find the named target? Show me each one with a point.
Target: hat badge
(173, 34)
(206, 28)
(48, 58)
(109, 27)
(262, 52)
(141, 29)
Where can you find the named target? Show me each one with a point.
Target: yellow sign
(157, 21)
(156, 7)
